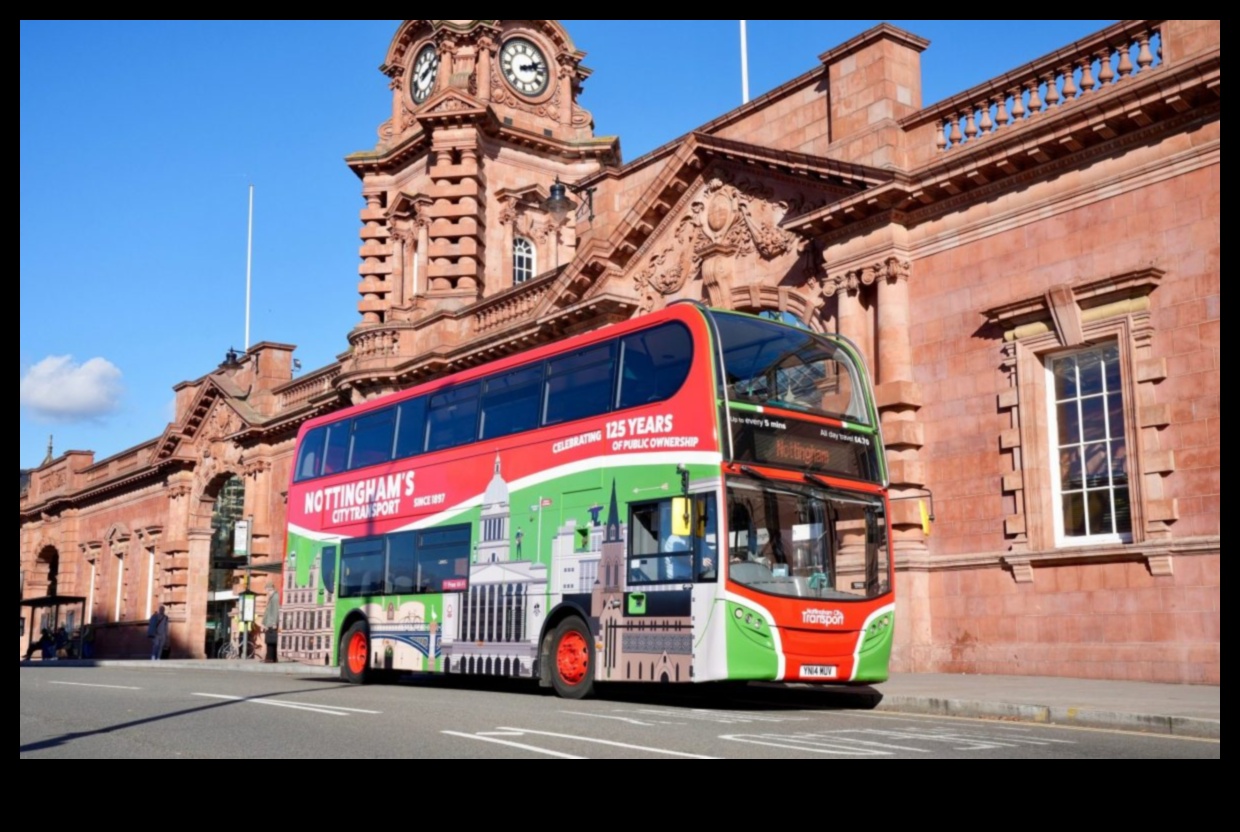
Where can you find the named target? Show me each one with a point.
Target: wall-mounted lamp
(558, 203)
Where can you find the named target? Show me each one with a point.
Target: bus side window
(511, 402)
(638, 384)
(411, 428)
(372, 438)
(336, 456)
(452, 417)
(310, 457)
(579, 384)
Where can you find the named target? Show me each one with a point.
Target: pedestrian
(60, 643)
(88, 641)
(40, 644)
(271, 625)
(157, 632)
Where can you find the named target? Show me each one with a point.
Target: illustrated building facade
(1030, 266)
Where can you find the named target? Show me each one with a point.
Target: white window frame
(120, 587)
(150, 581)
(90, 603)
(1062, 538)
(523, 249)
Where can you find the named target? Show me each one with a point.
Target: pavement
(1148, 707)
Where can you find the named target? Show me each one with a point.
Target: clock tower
(484, 120)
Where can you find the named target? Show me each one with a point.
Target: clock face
(422, 79)
(524, 65)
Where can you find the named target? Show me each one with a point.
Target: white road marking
(793, 743)
(86, 685)
(579, 738)
(868, 742)
(331, 710)
(703, 715)
(624, 719)
(522, 746)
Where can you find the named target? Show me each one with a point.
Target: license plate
(819, 671)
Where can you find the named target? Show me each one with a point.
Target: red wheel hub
(356, 653)
(571, 659)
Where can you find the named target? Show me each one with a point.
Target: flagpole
(744, 66)
(249, 249)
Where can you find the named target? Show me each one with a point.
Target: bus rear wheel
(355, 654)
(572, 659)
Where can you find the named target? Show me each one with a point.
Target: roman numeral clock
(524, 66)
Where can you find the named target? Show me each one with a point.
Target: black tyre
(355, 654)
(572, 659)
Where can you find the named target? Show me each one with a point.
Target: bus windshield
(806, 542)
(766, 363)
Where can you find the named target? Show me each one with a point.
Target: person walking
(271, 625)
(157, 631)
(88, 641)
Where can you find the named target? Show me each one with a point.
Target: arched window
(783, 317)
(522, 260)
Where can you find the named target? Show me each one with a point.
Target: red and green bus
(693, 495)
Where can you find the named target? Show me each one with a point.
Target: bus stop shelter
(54, 603)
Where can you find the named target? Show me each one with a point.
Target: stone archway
(44, 578)
(216, 563)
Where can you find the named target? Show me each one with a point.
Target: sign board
(241, 538)
(247, 606)
(804, 445)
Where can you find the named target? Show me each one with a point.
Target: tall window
(522, 260)
(1088, 440)
(150, 581)
(119, 561)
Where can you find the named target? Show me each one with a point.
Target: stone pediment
(714, 196)
(216, 413)
(452, 106)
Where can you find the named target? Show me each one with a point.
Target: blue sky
(139, 141)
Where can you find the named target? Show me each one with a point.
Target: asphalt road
(127, 713)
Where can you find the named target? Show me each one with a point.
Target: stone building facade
(1031, 267)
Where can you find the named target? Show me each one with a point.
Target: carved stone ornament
(740, 217)
(851, 280)
(224, 422)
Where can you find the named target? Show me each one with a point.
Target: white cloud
(59, 389)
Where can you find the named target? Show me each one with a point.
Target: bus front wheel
(572, 659)
(355, 654)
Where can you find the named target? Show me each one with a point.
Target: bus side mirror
(681, 525)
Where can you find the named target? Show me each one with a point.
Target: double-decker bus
(693, 495)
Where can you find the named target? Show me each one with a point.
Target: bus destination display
(807, 446)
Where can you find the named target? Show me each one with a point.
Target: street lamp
(558, 203)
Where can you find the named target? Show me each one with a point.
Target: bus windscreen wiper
(745, 469)
(816, 480)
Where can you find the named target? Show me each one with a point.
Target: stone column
(899, 399)
(420, 255)
(852, 321)
(193, 610)
(565, 72)
(399, 258)
(485, 62)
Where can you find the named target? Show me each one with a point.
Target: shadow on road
(755, 696)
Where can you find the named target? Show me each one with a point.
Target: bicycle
(231, 649)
